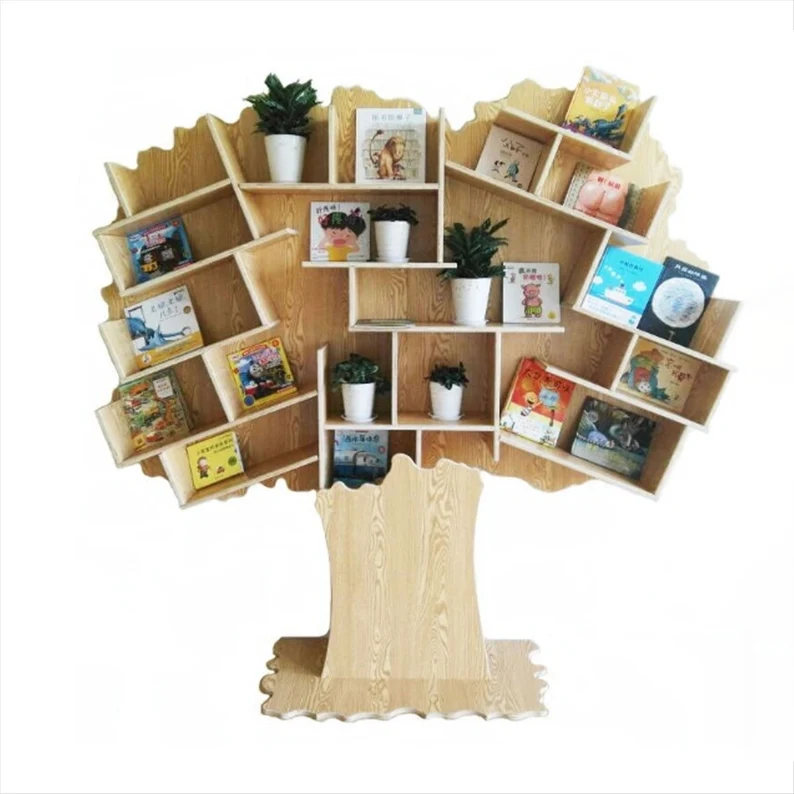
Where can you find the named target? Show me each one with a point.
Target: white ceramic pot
(285, 155)
(391, 238)
(359, 401)
(445, 403)
(470, 299)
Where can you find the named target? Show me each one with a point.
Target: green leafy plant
(387, 212)
(472, 250)
(284, 109)
(449, 376)
(358, 369)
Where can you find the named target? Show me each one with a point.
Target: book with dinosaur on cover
(163, 327)
(214, 459)
(509, 157)
(601, 107)
(159, 249)
(612, 437)
(339, 231)
(262, 373)
(537, 403)
(154, 409)
(360, 456)
(391, 144)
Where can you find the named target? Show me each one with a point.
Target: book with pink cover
(603, 195)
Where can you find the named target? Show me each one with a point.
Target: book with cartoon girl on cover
(339, 231)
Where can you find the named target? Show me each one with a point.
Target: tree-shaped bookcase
(251, 281)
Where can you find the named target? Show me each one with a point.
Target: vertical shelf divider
(333, 131)
(497, 393)
(322, 413)
(442, 158)
(395, 375)
(545, 166)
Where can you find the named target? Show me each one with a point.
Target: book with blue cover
(622, 286)
(159, 249)
(360, 456)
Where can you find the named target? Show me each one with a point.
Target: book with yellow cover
(262, 373)
(214, 459)
(601, 107)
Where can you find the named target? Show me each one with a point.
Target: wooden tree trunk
(405, 633)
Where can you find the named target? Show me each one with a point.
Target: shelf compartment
(543, 205)
(379, 265)
(401, 442)
(415, 420)
(213, 221)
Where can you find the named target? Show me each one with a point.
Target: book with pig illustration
(531, 292)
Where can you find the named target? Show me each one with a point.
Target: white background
(134, 635)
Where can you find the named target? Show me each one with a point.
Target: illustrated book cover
(537, 403)
(603, 195)
(678, 302)
(601, 107)
(155, 410)
(658, 374)
(531, 292)
(622, 286)
(214, 459)
(360, 456)
(509, 157)
(391, 144)
(163, 327)
(339, 231)
(159, 249)
(262, 373)
(612, 437)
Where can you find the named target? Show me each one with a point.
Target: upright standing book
(159, 249)
(391, 144)
(603, 195)
(678, 302)
(262, 373)
(214, 459)
(163, 327)
(537, 403)
(622, 286)
(531, 292)
(509, 157)
(339, 231)
(360, 456)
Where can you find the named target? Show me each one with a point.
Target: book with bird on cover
(509, 157)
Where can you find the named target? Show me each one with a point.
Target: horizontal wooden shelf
(563, 458)
(416, 420)
(618, 236)
(337, 423)
(383, 265)
(454, 328)
(394, 186)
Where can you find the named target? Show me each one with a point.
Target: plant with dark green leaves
(387, 212)
(449, 376)
(472, 250)
(284, 109)
(358, 369)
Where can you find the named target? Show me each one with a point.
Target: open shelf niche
(251, 280)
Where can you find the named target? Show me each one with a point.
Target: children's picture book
(601, 107)
(531, 292)
(622, 286)
(537, 403)
(262, 373)
(360, 456)
(658, 374)
(603, 195)
(612, 437)
(391, 143)
(155, 410)
(678, 302)
(163, 327)
(214, 459)
(159, 249)
(509, 157)
(339, 231)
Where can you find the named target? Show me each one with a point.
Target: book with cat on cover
(658, 374)
(155, 410)
(622, 286)
(262, 373)
(391, 144)
(339, 231)
(509, 157)
(360, 456)
(163, 327)
(537, 402)
(159, 249)
(678, 302)
(601, 107)
(613, 437)
(603, 195)
(214, 459)
(531, 292)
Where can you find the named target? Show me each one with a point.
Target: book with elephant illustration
(391, 144)
(613, 437)
(162, 327)
(339, 231)
(531, 292)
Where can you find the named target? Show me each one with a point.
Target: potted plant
(472, 251)
(392, 230)
(359, 379)
(446, 391)
(284, 119)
